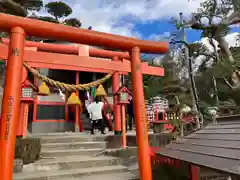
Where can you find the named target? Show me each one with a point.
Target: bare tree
(220, 16)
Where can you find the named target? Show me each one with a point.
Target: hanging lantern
(43, 90)
(28, 92)
(123, 95)
(73, 100)
(100, 91)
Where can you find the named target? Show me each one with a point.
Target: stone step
(71, 162)
(67, 174)
(110, 176)
(64, 139)
(74, 145)
(70, 152)
(58, 134)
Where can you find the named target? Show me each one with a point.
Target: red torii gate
(82, 63)
(18, 28)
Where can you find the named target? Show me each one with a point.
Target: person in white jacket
(96, 117)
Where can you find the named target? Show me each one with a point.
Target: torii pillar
(11, 102)
(116, 106)
(144, 161)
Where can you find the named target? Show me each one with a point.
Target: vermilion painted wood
(65, 49)
(79, 63)
(78, 35)
(11, 102)
(117, 108)
(144, 160)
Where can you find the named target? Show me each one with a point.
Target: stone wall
(155, 140)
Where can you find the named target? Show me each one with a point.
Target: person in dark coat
(131, 115)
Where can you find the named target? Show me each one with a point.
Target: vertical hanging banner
(93, 93)
(93, 89)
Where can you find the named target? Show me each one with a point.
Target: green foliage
(48, 19)
(170, 85)
(149, 82)
(58, 9)
(217, 66)
(219, 70)
(27, 149)
(20, 7)
(73, 22)
(176, 123)
(32, 5)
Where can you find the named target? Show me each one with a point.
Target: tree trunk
(223, 44)
(215, 91)
(190, 73)
(194, 92)
(193, 89)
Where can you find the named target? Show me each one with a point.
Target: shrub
(27, 149)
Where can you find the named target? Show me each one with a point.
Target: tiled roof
(215, 146)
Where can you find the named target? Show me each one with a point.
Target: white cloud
(233, 39)
(157, 37)
(119, 16)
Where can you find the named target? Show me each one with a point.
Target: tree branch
(234, 21)
(228, 83)
(214, 7)
(234, 15)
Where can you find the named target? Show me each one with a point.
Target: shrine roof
(215, 146)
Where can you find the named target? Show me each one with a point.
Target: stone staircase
(74, 156)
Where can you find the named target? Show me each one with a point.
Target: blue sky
(163, 26)
(146, 19)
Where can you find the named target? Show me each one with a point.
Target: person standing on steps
(95, 113)
(130, 115)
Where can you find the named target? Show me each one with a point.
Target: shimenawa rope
(64, 86)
